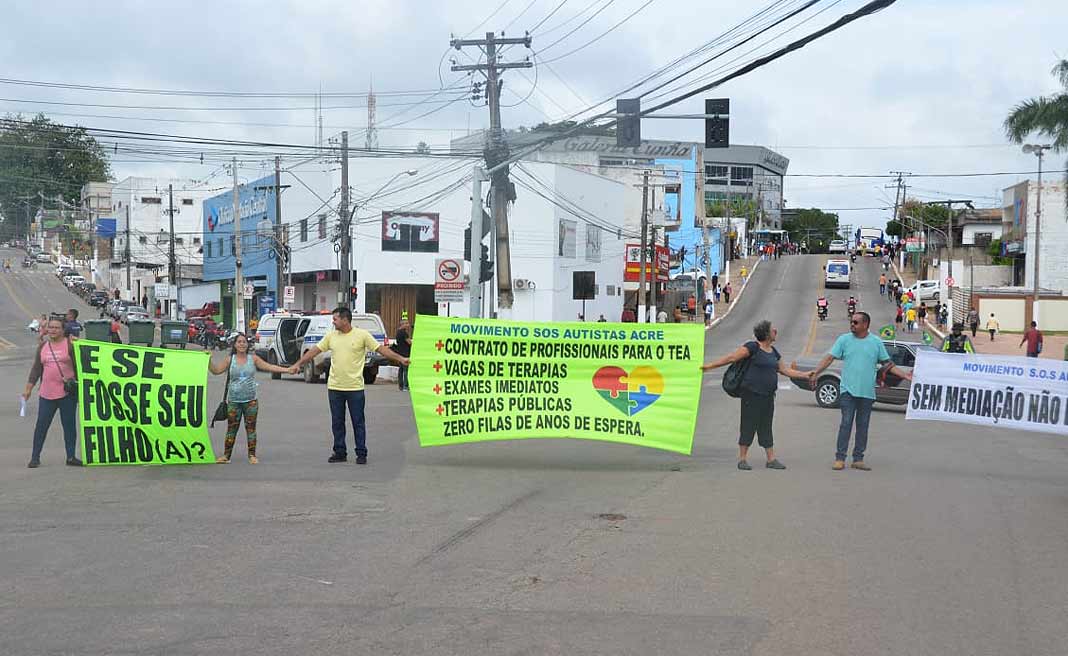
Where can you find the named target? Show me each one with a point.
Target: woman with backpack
(753, 378)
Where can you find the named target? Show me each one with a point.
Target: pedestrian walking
(727, 290)
(882, 284)
(402, 345)
(744, 272)
(758, 391)
(710, 313)
(900, 317)
(957, 341)
(1033, 338)
(348, 348)
(53, 366)
(921, 315)
(716, 291)
(943, 316)
(861, 353)
(116, 337)
(992, 326)
(241, 397)
(973, 320)
(910, 319)
(71, 326)
(715, 281)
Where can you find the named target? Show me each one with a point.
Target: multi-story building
(1019, 234)
(745, 178)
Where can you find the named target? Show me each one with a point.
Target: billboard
(105, 228)
(411, 232)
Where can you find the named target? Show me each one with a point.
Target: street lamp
(1039, 151)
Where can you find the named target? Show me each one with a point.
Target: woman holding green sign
(53, 366)
(759, 381)
(240, 395)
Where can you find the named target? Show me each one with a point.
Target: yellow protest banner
(475, 380)
(142, 406)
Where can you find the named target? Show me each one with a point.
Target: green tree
(41, 157)
(814, 227)
(894, 228)
(1046, 116)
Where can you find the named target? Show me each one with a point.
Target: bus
(836, 274)
(868, 238)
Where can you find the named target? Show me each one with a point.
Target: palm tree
(1046, 115)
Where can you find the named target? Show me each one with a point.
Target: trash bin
(98, 330)
(173, 333)
(142, 332)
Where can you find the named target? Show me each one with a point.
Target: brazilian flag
(887, 332)
(927, 339)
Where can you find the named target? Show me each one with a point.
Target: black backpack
(733, 377)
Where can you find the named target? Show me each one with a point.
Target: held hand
(907, 376)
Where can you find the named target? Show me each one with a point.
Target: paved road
(954, 544)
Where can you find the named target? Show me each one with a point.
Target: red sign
(950, 281)
(633, 267)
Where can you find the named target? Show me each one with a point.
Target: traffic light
(467, 244)
(486, 274)
(717, 123)
(628, 123)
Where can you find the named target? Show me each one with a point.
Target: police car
(283, 337)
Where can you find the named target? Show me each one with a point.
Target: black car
(97, 298)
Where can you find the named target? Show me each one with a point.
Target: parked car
(283, 337)
(925, 290)
(209, 309)
(97, 298)
(135, 313)
(124, 314)
(73, 279)
(116, 307)
(83, 289)
(888, 387)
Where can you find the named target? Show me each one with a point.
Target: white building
(571, 229)
(1018, 241)
(144, 203)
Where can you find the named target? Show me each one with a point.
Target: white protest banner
(1008, 392)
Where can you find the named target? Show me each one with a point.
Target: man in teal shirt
(861, 354)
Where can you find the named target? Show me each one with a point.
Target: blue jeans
(46, 412)
(859, 408)
(355, 401)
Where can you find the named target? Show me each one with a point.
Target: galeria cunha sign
(142, 406)
(475, 380)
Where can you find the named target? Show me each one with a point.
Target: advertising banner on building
(142, 406)
(476, 380)
(1007, 392)
(661, 268)
(410, 232)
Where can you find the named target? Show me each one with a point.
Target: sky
(922, 86)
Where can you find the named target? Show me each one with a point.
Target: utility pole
(474, 279)
(344, 297)
(239, 283)
(173, 269)
(281, 252)
(128, 283)
(496, 152)
(644, 248)
(655, 263)
(1040, 151)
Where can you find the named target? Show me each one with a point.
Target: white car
(925, 290)
(836, 246)
(44, 257)
(72, 280)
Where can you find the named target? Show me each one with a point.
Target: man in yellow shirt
(348, 348)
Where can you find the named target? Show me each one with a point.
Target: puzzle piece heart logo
(629, 393)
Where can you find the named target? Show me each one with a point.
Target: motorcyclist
(957, 341)
(852, 305)
(821, 305)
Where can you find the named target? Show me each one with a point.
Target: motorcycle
(821, 311)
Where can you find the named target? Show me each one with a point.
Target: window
(233, 245)
(179, 240)
(219, 248)
(304, 230)
(196, 241)
(983, 238)
(715, 174)
(322, 226)
(741, 174)
(142, 239)
(151, 200)
(207, 249)
(187, 201)
(715, 197)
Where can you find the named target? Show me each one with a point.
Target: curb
(737, 297)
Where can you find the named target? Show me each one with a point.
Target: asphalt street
(954, 544)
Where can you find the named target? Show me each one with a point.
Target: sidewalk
(737, 285)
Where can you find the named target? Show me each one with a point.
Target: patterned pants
(234, 411)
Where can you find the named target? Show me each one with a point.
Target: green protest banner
(475, 380)
(142, 406)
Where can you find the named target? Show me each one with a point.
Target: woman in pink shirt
(52, 365)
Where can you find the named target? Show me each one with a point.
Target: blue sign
(267, 304)
(105, 228)
(257, 209)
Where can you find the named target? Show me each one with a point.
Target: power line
(601, 35)
(550, 15)
(580, 25)
(209, 94)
